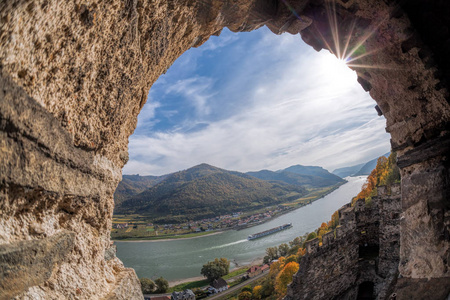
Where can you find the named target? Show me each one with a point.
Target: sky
(255, 100)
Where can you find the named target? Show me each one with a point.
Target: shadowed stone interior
(75, 74)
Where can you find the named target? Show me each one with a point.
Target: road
(237, 287)
(219, 295)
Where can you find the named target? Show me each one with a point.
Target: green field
(202, 283)
(142, 233)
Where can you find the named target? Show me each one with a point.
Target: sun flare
(337, 72)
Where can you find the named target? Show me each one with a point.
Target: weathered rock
(364, 249)
(28, 263)
(75, 74)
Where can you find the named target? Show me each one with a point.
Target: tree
(376, 178)
(334, 220)
(296, 242)
(272, 253)
(276, 267)
(283, 249)
(162, 285)
(293, 250)
(215, 269)
(285, 277)
(290, 258)
(311, 236)
(147, 285)
(246, 295)
(267, 287)
(246, 288)
(301, 252)
(322, 230)
(257, 292)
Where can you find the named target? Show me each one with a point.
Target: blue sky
(252, 101)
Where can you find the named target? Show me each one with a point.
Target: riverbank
(140, 234)
(239, 270)
(178, 238)
(179, 259)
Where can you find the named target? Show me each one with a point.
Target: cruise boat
(270, 231)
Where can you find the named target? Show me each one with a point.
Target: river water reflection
(179, 259)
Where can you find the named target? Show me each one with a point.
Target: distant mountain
(206, 191)
(313, 171)
(134, 184)
(314, 177)
(369, 166)
(347, 171)
(359, 170)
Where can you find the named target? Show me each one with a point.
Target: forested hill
(358, 170)
(369, 166)
(134, 184)
(206, 191)
(310, 176)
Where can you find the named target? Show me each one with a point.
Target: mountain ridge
(310, 176)
(364, 169)
(206, 191)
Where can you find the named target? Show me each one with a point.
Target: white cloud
(289, 108)
(197, 89)
(146, 118)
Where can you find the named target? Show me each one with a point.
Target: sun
(336, 71)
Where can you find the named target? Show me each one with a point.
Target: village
(129, 228)
(217, 286)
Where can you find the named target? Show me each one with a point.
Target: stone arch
(75, 74)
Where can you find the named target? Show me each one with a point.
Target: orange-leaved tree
(257, 292)
(334, 222)
(285, 277)
(376, 177)
(301, 252)
(385, 173)
(276, 267)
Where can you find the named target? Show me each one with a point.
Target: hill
(359, 170)
(313, 171)
(206, 191)
(348, 171)
(369, 166)
(312, 177)
(134, 184)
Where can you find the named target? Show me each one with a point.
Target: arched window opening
(244, 102)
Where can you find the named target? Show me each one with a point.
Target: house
(218, 285)
(265, 268)
(184, 295)
(254, 271)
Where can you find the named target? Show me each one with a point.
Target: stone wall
(75, 74)
(363, 248)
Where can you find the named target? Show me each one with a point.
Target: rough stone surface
(75, 74)
(364, 248)
(28, 263)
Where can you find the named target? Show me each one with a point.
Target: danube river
(179, 259)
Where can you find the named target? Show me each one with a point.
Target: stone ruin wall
(335, 269)
(75, 74)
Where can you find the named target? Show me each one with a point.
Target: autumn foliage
(385, 173)
(334, 222)
(282, 270)
(285, 277)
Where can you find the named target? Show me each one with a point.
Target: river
(180, 259)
